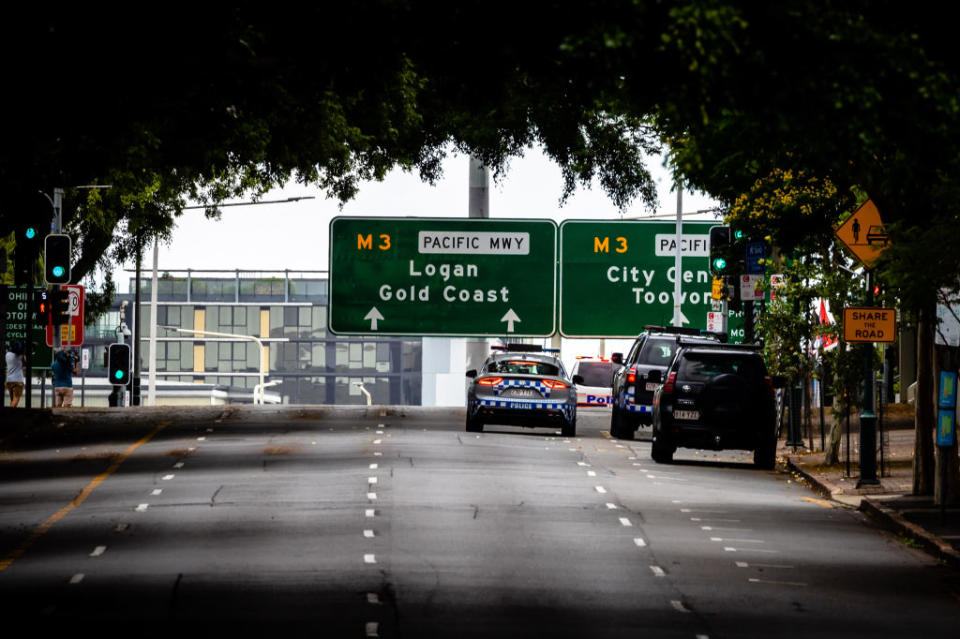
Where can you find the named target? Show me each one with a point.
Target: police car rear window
(597, 373)
(523, 367)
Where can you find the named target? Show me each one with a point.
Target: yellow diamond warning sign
(863, 233)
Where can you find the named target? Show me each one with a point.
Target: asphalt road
(344, 523)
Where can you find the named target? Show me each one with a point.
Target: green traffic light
(118, 374)
(719, 264)
(738, 234)
(58, 271)
(30, 232)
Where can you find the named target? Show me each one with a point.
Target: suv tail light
(668, 385)
(632, 375)
(552, 383)
(771, 392)
(489, 381)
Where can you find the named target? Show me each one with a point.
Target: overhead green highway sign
(444, 277)
(617, 276)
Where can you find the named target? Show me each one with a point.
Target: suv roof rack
(677, 330)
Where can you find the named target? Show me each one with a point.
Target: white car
(597, 386)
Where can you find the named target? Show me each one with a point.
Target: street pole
(152, 384)
(478, 207)
(678, 259)
(868, 418)
(135, 380)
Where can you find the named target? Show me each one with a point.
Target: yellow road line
(79, 499)
(819, 502)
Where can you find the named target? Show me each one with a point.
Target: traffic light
(42, 307)
(25, 253)
(56, 259)
(60, 306)
(118, 364)
(719, 250)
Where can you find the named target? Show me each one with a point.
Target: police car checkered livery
(520, 385)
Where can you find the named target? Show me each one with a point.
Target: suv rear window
(597, 373)
(703, 367)
(523, 367)
(658, 352)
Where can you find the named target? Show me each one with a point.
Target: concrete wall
(444, 368)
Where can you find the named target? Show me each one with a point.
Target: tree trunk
(831, 455)
(923, 457)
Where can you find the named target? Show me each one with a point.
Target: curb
(889, 519)
(892, 521)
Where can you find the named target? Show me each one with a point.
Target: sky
(294, 236)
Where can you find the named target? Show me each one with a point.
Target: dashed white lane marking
(373, 629)
(371, 495)
(167, 477)
(369, 559)
(379, 432)
(201, 439)
(373, 598)
(378, 454)
(625, 522)
(582, 464)
(370, 512)
(368, 534)
(639, 541)
(374, 466)
(178, 465)
(738, 541)
(729, 521)
(99, 550)
(719, 528)
(142, 508)
(378, 441)
(744, 564)
(601, 490)
(657, 571)
(799, 584)
(77, 578)
(757, 550)
(371, 480)
(611, 506)
(678, 606)
(591, 473)
(156, 491)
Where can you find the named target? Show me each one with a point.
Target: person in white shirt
(15, 361)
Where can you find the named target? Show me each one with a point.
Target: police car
(633, 387)
(597, 386)
(522, 385)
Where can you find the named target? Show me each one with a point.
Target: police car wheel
(569, 429)
(474, 425)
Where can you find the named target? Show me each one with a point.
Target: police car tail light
(489, 381)
(668, 386)
(632, 375)
(552, 383)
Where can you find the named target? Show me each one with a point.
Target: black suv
(653, 350)
(716, 397)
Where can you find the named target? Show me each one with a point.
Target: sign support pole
(678, 261)
(868, 418)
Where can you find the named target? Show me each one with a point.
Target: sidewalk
(915, 519)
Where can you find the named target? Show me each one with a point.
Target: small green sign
(617, 276)
(444, 277)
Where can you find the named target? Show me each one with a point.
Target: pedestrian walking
(15, 361)
(65, 366)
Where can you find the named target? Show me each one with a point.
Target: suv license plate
(686, 414)
(652, 386)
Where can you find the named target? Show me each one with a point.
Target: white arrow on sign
(683, 319)
(374, 316)
(510, 318)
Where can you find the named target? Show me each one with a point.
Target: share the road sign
(617, 276)
(444, 277)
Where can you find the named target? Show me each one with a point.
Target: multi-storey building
(287, 311)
